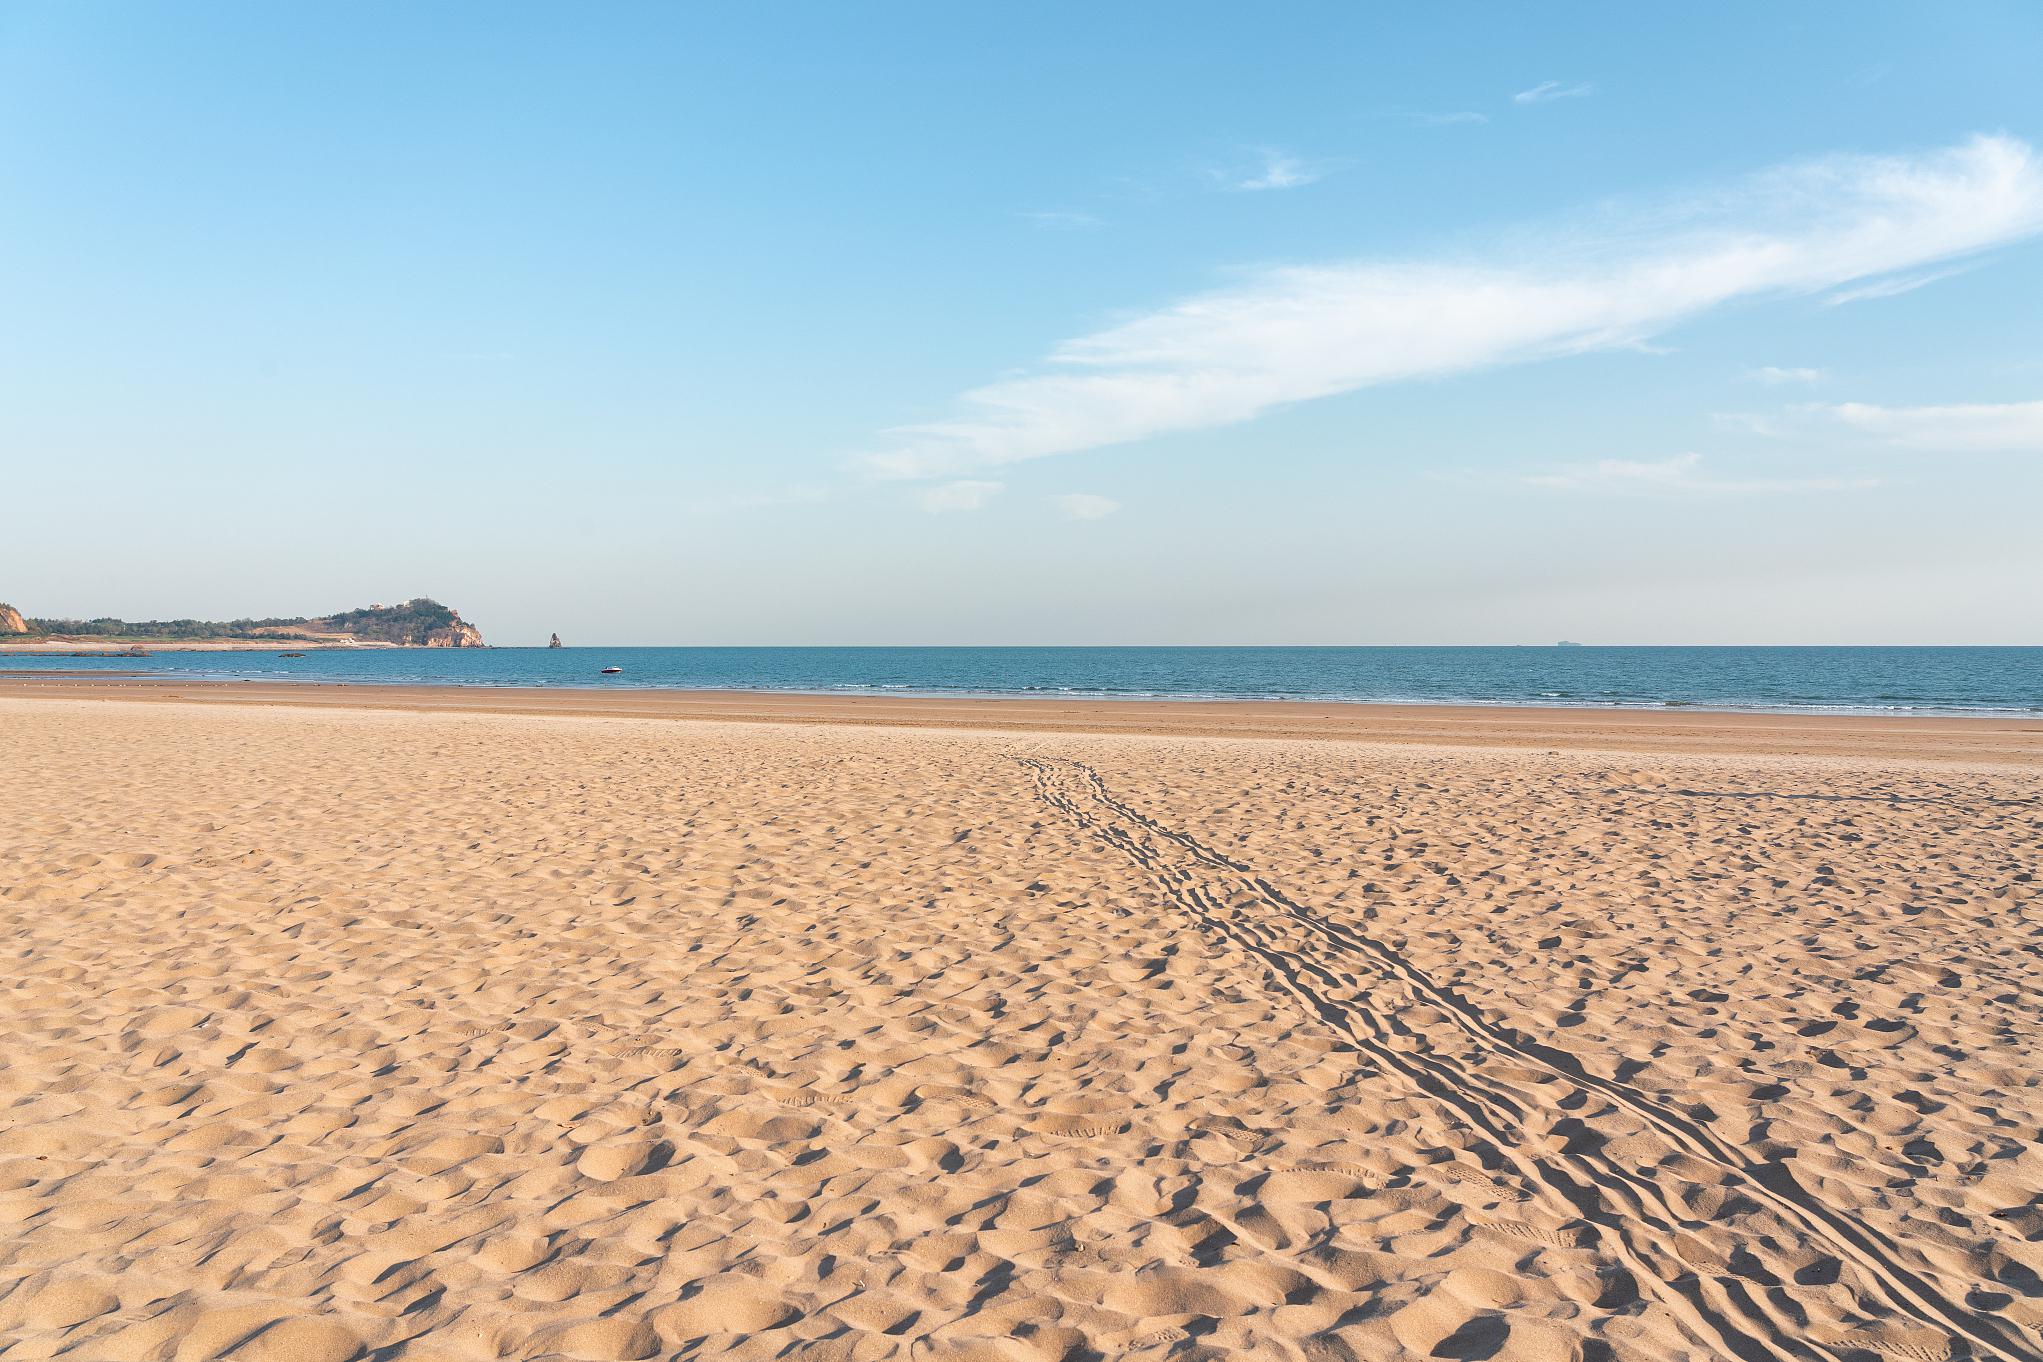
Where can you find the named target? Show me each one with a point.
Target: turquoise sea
(1879, 680)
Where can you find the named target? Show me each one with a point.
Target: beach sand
(344, 1024)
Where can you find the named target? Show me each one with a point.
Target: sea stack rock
(11, 622)
(553, 642)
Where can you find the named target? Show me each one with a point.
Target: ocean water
(1884, 680)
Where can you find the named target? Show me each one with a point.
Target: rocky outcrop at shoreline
(459, 634)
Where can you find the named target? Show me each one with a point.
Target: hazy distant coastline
(417, 623)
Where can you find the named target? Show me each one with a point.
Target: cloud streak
(1294, 334)
(1680, 476)
(1548, 91)
(1773, 375)
(1086, 506)
(1967, 428)
(1062, 219)
(1279, 172)
(967, 495)
(1889, 288)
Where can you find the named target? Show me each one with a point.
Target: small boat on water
(612, 671)
(290, 654)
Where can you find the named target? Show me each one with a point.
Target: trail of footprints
(1334, 972)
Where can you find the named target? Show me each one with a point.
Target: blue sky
(1054, 324)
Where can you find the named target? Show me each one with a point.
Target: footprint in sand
(1477, 1181)
(658, 1052)
(808, 1097)
(478, 1032)
(1156, 1338)
(1577, 1238)
(1915, 1346)
(1087, 1126)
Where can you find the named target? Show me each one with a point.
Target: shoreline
(1039, 695)
(1931, 736)
(1943, 688)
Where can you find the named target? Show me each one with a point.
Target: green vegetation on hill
(413, 622)
(420, 622)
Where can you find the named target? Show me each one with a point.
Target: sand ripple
(339, 1035)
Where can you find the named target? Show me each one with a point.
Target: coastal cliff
(418, 623)
(460, 634)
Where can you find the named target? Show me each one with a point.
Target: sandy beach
(463, 1025)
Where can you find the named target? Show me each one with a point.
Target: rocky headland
(417, 623)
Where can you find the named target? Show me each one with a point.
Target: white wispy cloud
(1890, 287)
(1291, 334)
(1278, 171)
(1549, 90)
(1774, 376)
(1062, 219)
(966, 495)
(1680, 476)
(1086, 506)
(1970, 428)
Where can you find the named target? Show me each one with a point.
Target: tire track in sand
(1632, 1215)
